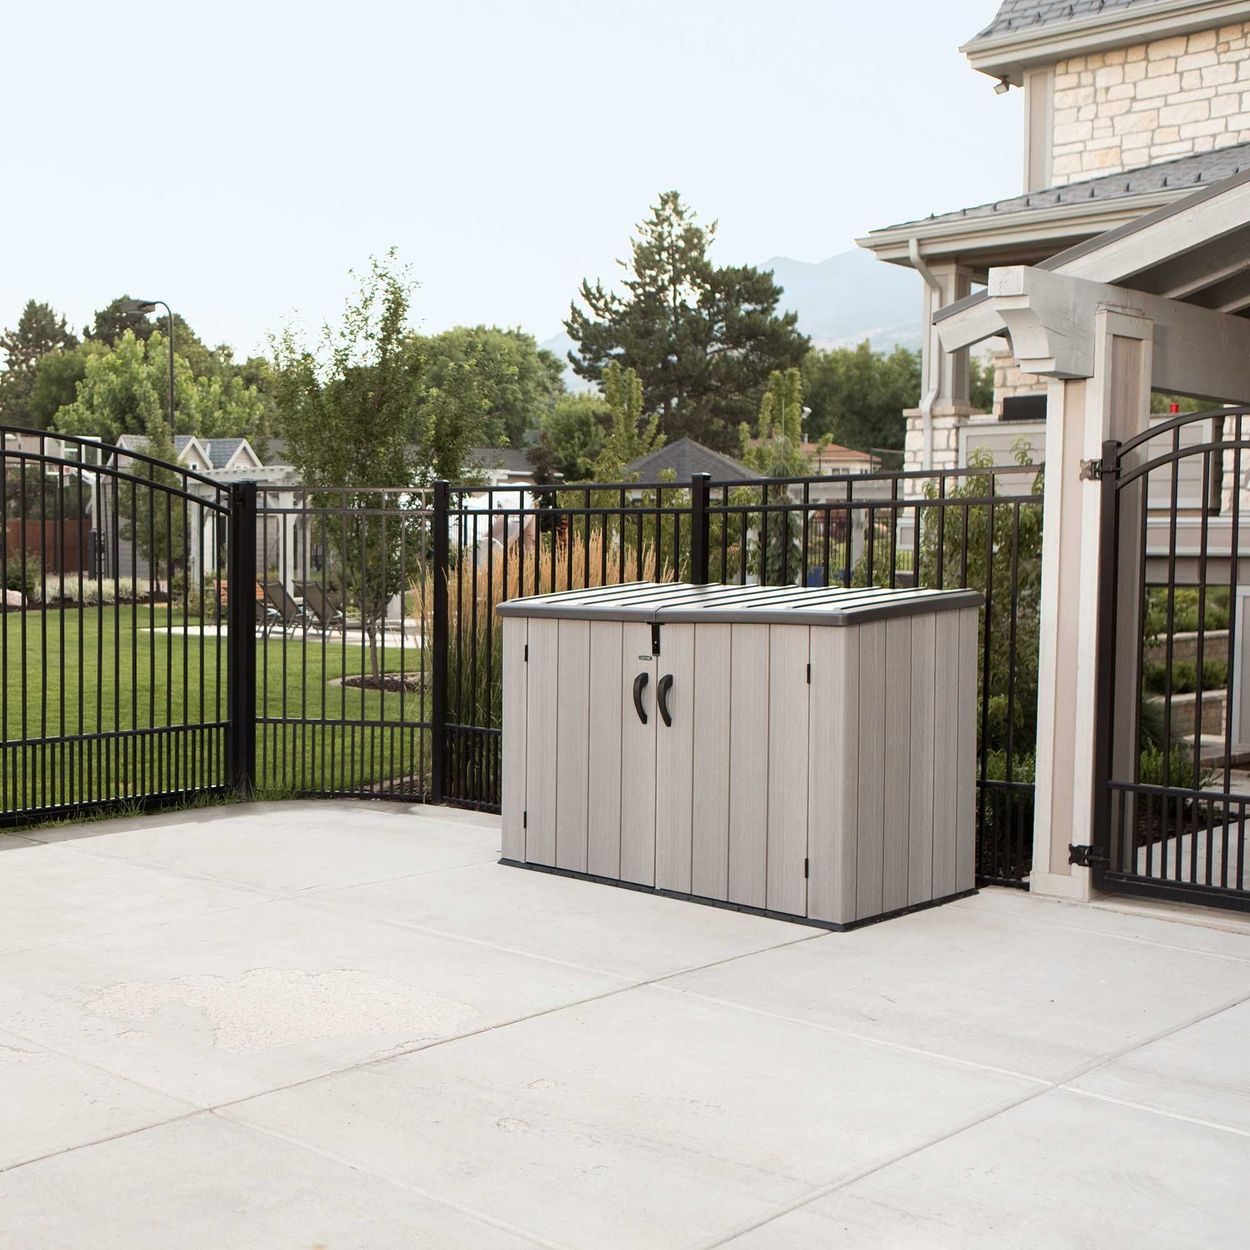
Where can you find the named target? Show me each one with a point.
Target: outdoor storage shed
(807, 752)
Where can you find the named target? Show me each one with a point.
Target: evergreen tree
(39, 330)
(701, 338)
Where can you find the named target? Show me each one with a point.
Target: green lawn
(105, 673)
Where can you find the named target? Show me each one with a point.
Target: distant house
(682, 459)
(834, 460)
(223, 458)
(504, 466)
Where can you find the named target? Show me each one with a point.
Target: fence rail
(336, 641)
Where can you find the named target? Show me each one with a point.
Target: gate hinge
(1087, 856)
(1096, 470)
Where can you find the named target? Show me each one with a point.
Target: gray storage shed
(806, 752)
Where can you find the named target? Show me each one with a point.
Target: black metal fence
(111, 641)
(289, 640)
(1170, 793)
(979, 527)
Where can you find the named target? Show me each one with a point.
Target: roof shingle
(1016, 15)
(684, 458)
(1186, 173)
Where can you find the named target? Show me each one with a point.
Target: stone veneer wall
(1135, 106)
(1010, 379)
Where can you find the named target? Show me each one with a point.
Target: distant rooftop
(684, 458)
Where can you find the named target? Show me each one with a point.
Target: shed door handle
(661, 697)
(640, 684)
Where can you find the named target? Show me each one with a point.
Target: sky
(240, 160)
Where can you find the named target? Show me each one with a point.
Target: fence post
(241, 640)
(438, 709)
(700, 496)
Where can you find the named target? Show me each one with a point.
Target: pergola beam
(1049, 317)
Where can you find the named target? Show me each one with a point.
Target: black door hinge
(1096, 470)
(807, 868)
(1087, 856)
(809, 674)
(526, 656)
(525, 819)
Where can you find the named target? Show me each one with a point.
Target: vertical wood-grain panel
(607, 707)
(966, 773)
(869, 862)
(833, 774)
(637, 759)
(674, 760)
(712, 726)
(541, 741)
(748, 766)
(572, 746)
(513, 744)
(946, 753)
(923, 725)
(787, 768)
(899, 761)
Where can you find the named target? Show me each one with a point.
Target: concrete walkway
(343, 1025)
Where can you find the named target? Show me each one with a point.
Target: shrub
(25, 575)
(1184, 676)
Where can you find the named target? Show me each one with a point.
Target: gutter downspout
(928, 399)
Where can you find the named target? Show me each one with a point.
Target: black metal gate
(172, 638)
(1170, 782)
(119, 688)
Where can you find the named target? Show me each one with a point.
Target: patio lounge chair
(322, 608)
(281, 610)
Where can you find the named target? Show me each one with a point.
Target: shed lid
(677, 602)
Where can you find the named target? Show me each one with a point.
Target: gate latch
(1096, 470)
(1087, 856)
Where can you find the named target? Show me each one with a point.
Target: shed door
(542, 674)
(638, 754)
(674, 764)
(787, 768)
(748, 765)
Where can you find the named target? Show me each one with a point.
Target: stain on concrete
(268, 1008)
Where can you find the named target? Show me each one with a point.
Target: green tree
(777, 452)
(38, 332)
(631, 435)
(702, 339)
(123, 387)
(518, 381)
(358, 412)
(150, 517)
(572, 435)
(56, 382)
(981, 384)
(857, 396)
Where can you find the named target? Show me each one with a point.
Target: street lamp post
(148, 306)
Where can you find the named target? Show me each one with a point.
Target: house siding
(1151, 102)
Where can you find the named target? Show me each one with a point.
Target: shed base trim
(788, 917)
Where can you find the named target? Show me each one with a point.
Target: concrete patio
(344, 1025)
